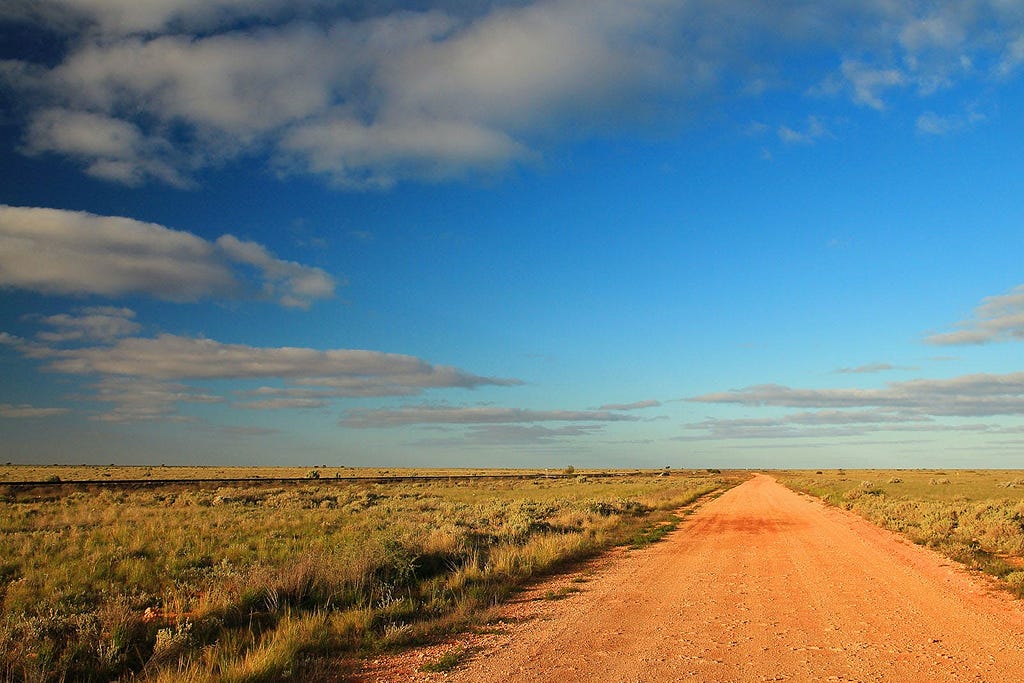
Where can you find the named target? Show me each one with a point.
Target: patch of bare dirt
(761, 584)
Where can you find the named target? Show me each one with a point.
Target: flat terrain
(157, 473)
(761, 584)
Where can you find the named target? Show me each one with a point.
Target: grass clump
(654, 532)
(447, 662)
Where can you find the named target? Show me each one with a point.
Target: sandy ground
(760, 584)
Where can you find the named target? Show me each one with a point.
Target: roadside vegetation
(257, 582)
(973, 517)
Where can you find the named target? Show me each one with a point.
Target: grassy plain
(23, 473)
(263, 581)
(975, 517)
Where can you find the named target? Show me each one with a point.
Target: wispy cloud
(930, 123)
(136, 399)
(813, 131)
(867, 84)
(965, 396)
(997, 318)
(870, 368)
(282, 403)
(638, 405)
(821, 423)
(519, 435)
(73, 252)
(440, 414)
(91, 324)
(145, 377)
(25, 411)
(171, 356)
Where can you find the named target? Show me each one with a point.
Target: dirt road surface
(760, 584)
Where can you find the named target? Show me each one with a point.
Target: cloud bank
(146, 378)
(369, 94)
(996, 319)
(53, 251)
(915, 405)
(968, 395)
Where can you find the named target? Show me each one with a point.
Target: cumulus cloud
(108, 148)
(369, 94)
(439, 414)
(73, 252)
(997, 318)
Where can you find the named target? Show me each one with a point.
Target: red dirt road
(761, 584)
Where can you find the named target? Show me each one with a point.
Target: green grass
(561, 593)
(653, 532)
(448, 662)
(262, 582)
(973, 517)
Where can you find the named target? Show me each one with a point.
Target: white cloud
(786, 428)
(369, 94)
(439, 414)
(354, 154)
(99, 323)
(997, 318)
(867, 83)
(137, 399)
(170, 356)
(812, 132)
(945, 31)
(930, 123)
(73, 252)
(109, 148)
(638, 405)
(282, 403)
(292, 284)
(1013, 57)
(25, 411)
(524, 435)
(870, 368)
(965, 396)
(145, 377)
(130, 16)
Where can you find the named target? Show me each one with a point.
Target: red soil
(761, 584)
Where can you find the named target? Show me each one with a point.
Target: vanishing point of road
(760, 584)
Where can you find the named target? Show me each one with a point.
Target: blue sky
(528, 234)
